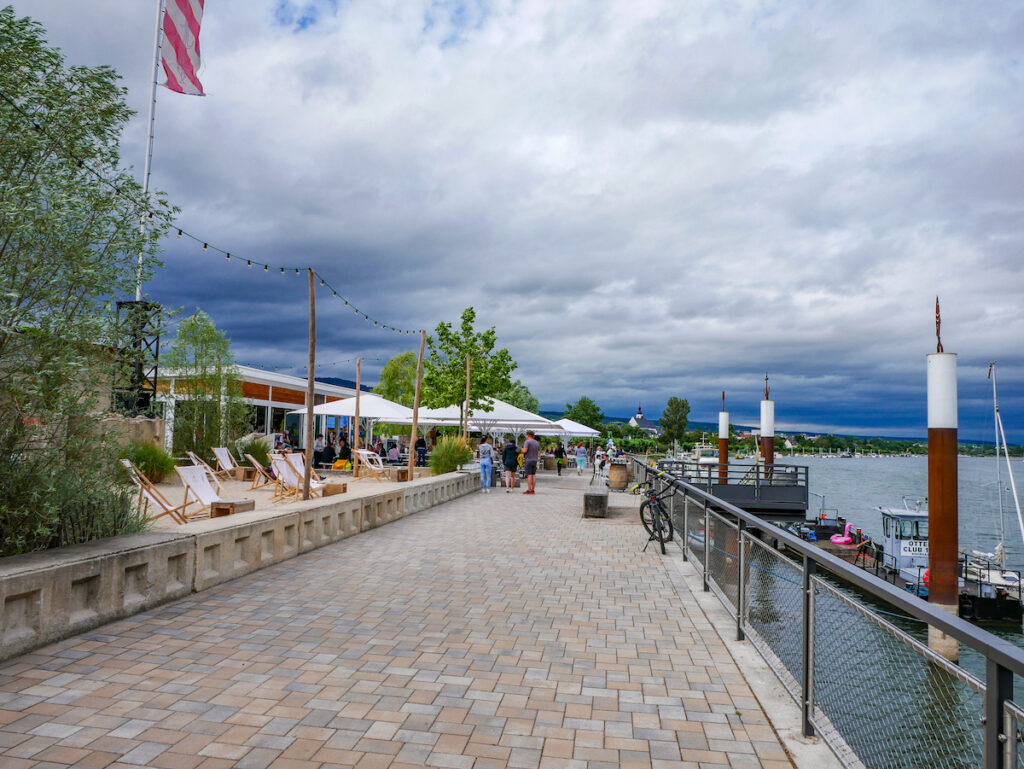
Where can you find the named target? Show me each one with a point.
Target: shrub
(155, 463)
(450, 452)
(255, 446)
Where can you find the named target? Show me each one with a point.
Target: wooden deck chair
(372, 462)
(197, 488)
(151, 495)
(291, 480)
(198, 462)
(298, 461)
(262, 477)
(226, 463)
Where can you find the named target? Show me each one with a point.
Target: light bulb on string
(265, 268)
(321, 281)
(179, 233)
(205, 246)
(227, 256)
(282, 270)
(296, 270)
(248, 263)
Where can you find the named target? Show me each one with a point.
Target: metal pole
(807, 647)
(686, 528)
(355, 440)
(707, 546)
(149, 135)
(741, 592)
(413, 437)
(998, 689)
(310, 385)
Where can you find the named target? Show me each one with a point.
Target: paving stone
(492, 631)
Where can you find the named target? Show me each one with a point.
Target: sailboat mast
(999, 481)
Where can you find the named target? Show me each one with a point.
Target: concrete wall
(53, 594)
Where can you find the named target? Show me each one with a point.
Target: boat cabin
(905, 539)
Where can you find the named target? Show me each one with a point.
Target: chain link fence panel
(926, 710)
(724, 560)
(773, 610)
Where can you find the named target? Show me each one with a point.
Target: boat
(988, 590)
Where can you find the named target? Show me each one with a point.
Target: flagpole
(149, 133)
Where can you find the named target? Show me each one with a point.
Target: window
(886, 521)
(258, 419)
(277, 416)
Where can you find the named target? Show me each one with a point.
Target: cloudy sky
(646, 198)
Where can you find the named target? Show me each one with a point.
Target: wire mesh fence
(723, 559)
(773, 610)
(694, 528)
(1013, 728)
(867, 670)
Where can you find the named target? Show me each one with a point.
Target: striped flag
(180, 52)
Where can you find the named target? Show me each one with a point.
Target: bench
(595, 502)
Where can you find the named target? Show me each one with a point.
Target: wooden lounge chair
(151, 495)
(372, 462)
(213, 474)
(290, 480)
(262, 477)
(226, 464)
(298, 461)
(198, 489)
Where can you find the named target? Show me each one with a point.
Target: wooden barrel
(618, 476)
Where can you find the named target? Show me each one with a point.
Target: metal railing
(782, 487)
(878, 696)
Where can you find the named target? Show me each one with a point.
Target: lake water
(858, 487)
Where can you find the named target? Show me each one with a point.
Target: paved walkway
(498, 630)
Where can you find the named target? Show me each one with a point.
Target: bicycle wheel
(645, 516)
(665, 530)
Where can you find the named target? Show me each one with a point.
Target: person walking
(510, 459)
(531, 455)
(486, 453)
(559, 457)
(421, 452)
(581, 458)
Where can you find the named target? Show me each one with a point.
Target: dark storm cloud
(646, 199)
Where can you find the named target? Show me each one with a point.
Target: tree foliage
(674, 419)
(444, 368)
(586, 412)
(69, 244)
(208, 408)
(398, 379)
(519, 395)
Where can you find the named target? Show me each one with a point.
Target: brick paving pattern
(498, 630)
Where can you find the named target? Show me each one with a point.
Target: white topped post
(723, 444)
(767, 426)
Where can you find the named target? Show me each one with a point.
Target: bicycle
(654, 515)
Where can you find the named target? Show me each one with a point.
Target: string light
(140, 203)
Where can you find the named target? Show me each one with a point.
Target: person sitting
(344, 451)
(393, 454)
(318, 450)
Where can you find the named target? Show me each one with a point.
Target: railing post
(686, 528)
(741, 591)
(707, 545)
(807, 642)
(998, 689)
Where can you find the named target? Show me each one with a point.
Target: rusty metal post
(943, 521)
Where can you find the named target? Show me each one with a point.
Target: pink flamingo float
(845, 538)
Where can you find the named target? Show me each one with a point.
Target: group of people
(511, 455)
(527, 456)
(334, 450)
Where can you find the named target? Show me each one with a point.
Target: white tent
(370, 407)
(500, 417)
(571, 429)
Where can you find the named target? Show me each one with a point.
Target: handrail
(993, 648)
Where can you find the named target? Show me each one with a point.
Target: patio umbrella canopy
(499, 416)
(576, 430)
(370, 407)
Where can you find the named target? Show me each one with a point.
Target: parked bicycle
(654, 514)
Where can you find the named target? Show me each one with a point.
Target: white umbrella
(570, 429)
(370, 407)
(498, 416)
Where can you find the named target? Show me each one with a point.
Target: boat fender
(926, 577)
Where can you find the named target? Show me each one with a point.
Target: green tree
(519, 395)
(586, 412)
(444, 368)
(208, 406)
(398, 379)
(69, 244)
(674, 419)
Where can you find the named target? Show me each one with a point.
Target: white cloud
(646, 198)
